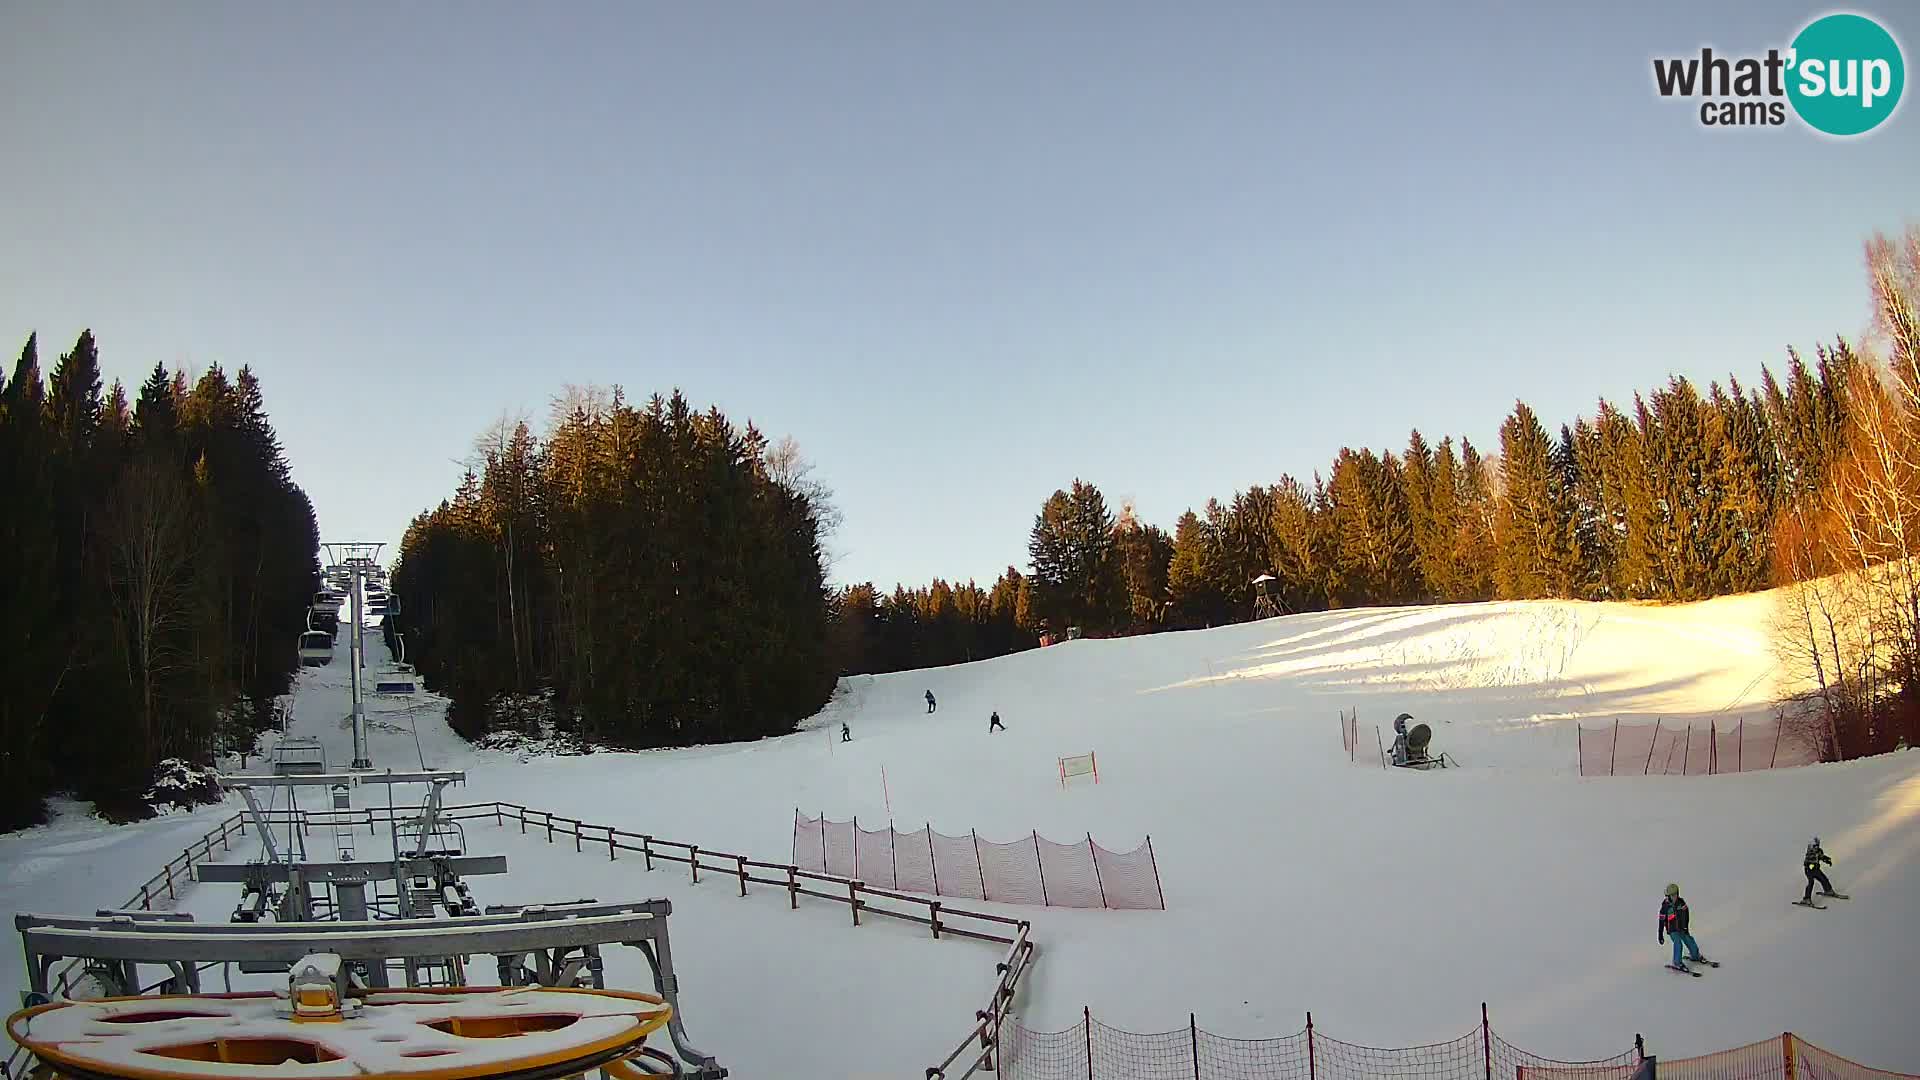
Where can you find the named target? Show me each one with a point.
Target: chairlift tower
(357, 556)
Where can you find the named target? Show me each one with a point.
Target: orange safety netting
(1697, 748)
(1033, 870)
(1091, 1050)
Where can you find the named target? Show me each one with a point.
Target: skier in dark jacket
(994, 724)
(930, 704)
(1674, 919)
(846, 733)
(1814, 858)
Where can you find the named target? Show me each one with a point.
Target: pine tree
(1071, 545)
(1534, 552)
(1300, 555)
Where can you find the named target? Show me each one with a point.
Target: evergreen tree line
(159, 561)
(658, 569)
(1674, 497)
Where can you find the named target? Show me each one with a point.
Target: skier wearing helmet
(1400, 738)
(1674, 919)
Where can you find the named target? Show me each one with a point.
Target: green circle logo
(1846, 74)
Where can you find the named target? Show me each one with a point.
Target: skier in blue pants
(1674, 918)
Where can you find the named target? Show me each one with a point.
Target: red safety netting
(873, 857)
(1033, 870)
(1765, 1060)
(1813, 1063)
(1091, 1050)
(1698, 748)
(1786, 1057)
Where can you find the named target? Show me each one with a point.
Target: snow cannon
(446, 1033)
(1419, 749)
(1418, 737)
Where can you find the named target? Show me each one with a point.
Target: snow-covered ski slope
(1389, 903)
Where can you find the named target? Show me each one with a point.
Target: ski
(1703, 960)
(1837, 895)
(1804, 903)
(1685, 971)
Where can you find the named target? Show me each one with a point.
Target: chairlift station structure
(376, 947)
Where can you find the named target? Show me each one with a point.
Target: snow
(1389, 903)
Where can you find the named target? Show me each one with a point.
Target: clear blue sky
(962, 251)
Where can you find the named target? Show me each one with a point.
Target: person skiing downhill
(846, 733)
(994, 724)
(930, 703)
(1674, 919)
(1811, 863)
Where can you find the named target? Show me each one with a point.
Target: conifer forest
(654, 570)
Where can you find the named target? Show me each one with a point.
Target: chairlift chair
(316, 648)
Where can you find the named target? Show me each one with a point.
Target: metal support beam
(259, 819)
(429, 814)
(287, 942)
(427, 776)
(346, 872)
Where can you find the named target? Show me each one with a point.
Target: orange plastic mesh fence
(1697, 748)
(1768, 1060)
(1091, 1050)
(1813, 1063)
(1033, 870)
(1765, 1060)
(1282, 1058)
(873, 857)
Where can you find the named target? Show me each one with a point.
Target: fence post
(853, 900)
(1037, 866)
(1155, 863)
(693, 861)
(522, 815)
(1740, 746)
(146, 901)
(1193, 1033)
(893, 857)
(1486, 1039)
(577, 826)
(796, 835)
(930, 860)
(646, 850)
(1094, 854)
(1786, 1050)
(933, 917)
(823, 843)
(1613, 755)
(496, 814)
(549, 826)
(856, 845)
(610, 855)
(793, 890)
(1086, 1018)
(743, 874)
(1313, 1070)
(1775, 762)
(1687, 757)
(976, 864)
(1648, 771)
